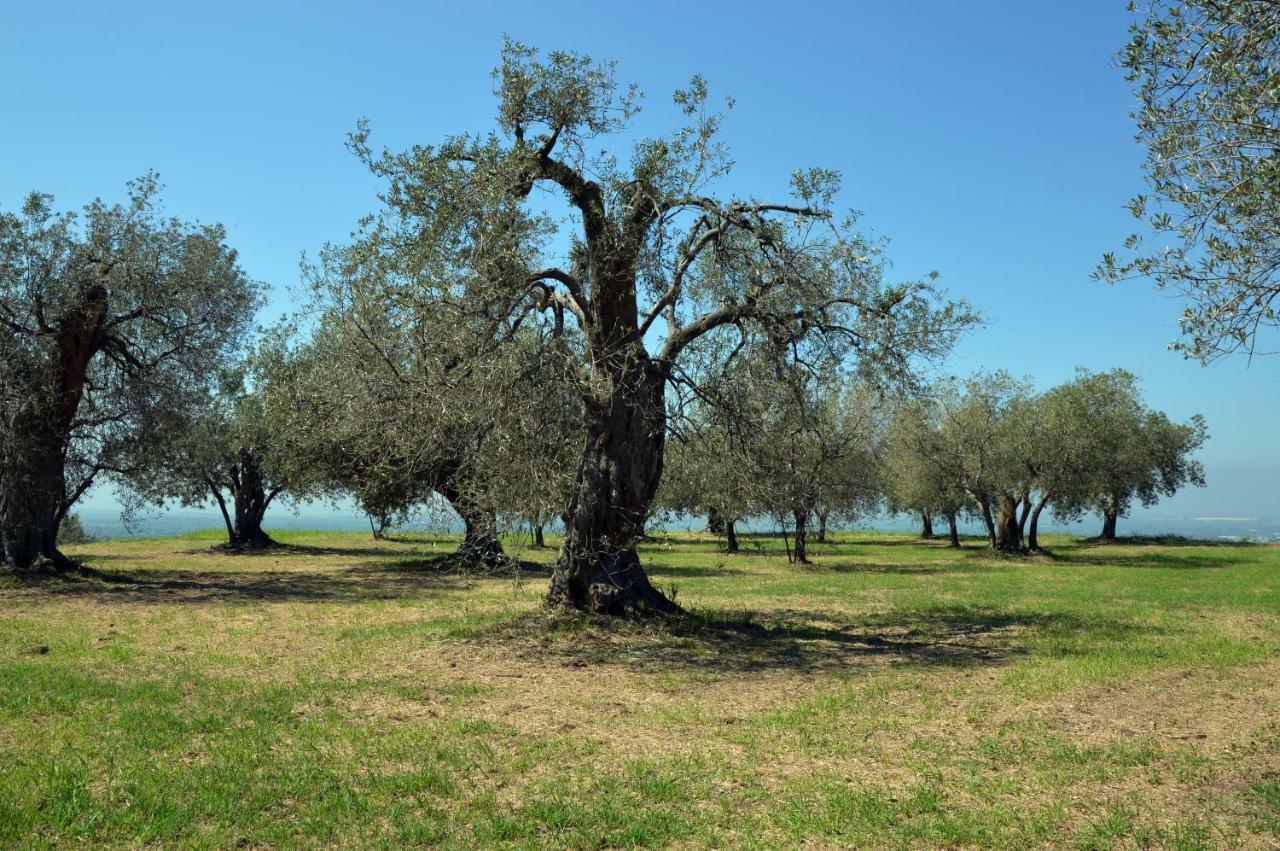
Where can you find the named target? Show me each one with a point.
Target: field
(346, 692)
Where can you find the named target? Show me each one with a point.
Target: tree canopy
(1207, 76)
(113, 323)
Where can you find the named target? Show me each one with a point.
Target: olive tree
(1125, 453)
(112, 325)
(233, 452)
(392, 409)
(978, 447)
(1207, 76)
(913, 481)
(656, 259)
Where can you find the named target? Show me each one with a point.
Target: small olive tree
(233, 452)
(914, 483)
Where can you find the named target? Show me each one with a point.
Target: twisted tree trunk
(1008, 534)
(799, 555)
(731, 537)
(926, 526)
(598, 569)
(715, 523)
(984, 504)
(33, 458)
(480, 545)
(1033, 540)
(1109, 517)
(953, 531)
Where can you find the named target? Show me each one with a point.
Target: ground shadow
(1162, 541)
(1102, 556)
(394, 580)
(795, 640)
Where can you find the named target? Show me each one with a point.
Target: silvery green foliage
(458, 233)
(775, 431)
(397, 402)
(231, 448)
(1113, 450)
(914, 481)
(1207, 75)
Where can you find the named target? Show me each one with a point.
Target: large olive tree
(650, 258)
(112, 324)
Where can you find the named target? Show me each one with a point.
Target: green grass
(895, 694)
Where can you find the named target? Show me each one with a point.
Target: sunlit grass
(342, 691)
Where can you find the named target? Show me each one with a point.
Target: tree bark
(953, 531)
(1033, 540)
(730, 537)
(926, 526)
(822, 528)
(1024, 512)
(250, 500)
(985, 505)
(480, 545)
(598, 569)
(32, 490)
(799, 555)
(1109, 518)
(32, 464)
(537, 536)
(1008, 533)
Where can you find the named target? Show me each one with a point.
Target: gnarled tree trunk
(537, 536)
(822, 527)
(1024, 511)
(926, 525)
(33, 459)
(598, 569)
(250, 499)
(1109, 517)
(953, 530)
(799, 555)
(984, 506)
(1033, 539)
(730, 537)
(480, 545)
(1008, 537)
(32, 489)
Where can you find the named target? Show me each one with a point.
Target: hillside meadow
(341, 691)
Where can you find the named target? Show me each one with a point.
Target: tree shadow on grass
(793, 640)
(1103, 557)
(1161, 541)
(278, 550)
(392, 580)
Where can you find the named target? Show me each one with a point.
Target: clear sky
(989, 140)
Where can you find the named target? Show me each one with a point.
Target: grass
(896, 694)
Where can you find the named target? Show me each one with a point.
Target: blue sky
(988, 140)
